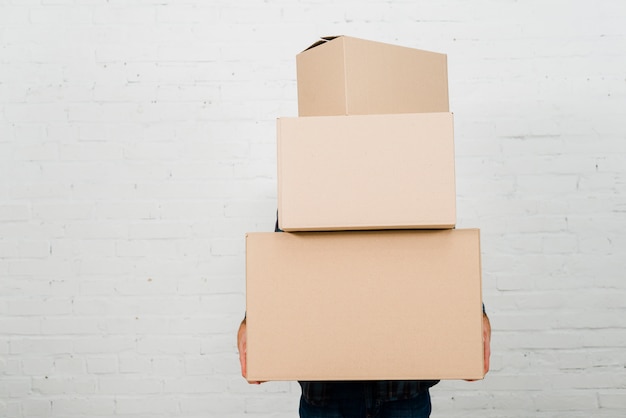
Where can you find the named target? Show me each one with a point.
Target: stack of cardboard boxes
(370, 281)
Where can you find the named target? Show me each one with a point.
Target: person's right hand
(486, 344)
(241, 345)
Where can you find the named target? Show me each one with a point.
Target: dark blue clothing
(361, 400)
(319, 393)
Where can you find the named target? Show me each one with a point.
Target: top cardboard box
(350, 76)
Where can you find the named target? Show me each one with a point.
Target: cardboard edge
(246, 239)
(335, 228)
(445, 68)
(246, 295)
(480, 289)
(394, 45)
(454, 182)
(279, 177)
(250, 376)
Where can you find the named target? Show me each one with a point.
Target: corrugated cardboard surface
(364, 305)
(366, 172)
(351, 76)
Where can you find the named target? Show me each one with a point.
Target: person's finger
(242, 362)
(487, 353)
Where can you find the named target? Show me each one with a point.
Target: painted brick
(137, 144)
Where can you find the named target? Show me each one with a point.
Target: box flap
(322, 40)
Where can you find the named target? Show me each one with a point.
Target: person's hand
(486, 341)
(486, 344)
(241, 345)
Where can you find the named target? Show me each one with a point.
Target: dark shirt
(319, 392)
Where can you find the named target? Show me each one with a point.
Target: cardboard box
(364, 305)
(366, 172)
(350, 76)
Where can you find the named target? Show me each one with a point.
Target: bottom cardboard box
(364, 305)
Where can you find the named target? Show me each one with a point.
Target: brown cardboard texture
(351, 76)
(364, 305)
(366, 172)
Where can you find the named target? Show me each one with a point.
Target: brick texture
(137, 146)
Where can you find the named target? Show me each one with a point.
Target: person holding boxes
(361, 399)
(371, 295)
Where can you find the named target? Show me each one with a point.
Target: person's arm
(241, 345)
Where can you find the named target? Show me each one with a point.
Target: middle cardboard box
(366, 172)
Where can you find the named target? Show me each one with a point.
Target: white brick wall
(137, 148)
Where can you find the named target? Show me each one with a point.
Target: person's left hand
(242, 338)
(486, 341)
